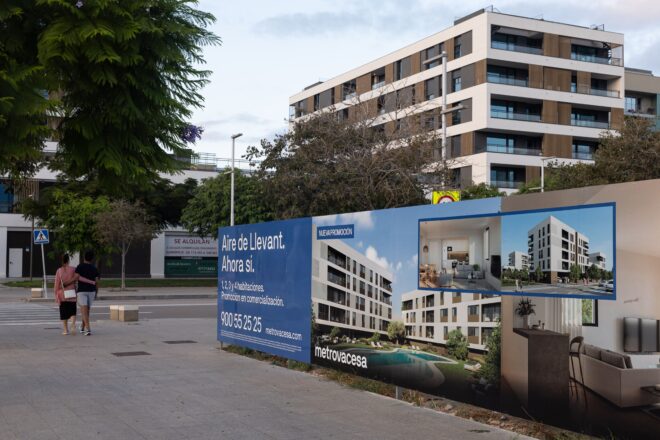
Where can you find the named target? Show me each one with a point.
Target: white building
(523, 88)
(429, 316)
(518, 260)
(349, 290)
(598, 259)
(554, 246)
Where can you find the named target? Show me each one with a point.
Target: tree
(330, 163)
(165, 201)
(209, 207)
(122, 225)
(480, 191)
(129, 77)
(396, 331)
(574, 273)
(457, 345)
(538, 274)
(593, 272)
(490, 370)
(72, 220)
(375, 337)
(334, 333)
(23, 97)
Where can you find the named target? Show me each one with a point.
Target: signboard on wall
(190, 246)
(446, 196)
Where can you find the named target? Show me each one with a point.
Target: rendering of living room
(589, 365)
(461, 254)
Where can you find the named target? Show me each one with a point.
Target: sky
(595, 223)
(273, 49)
(389, 237)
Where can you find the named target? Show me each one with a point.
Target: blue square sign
(41, 236)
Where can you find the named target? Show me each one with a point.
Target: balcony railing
(517, 116)
(507, 183)
(596, 59)
(377, 85)
(508, 80)
(592, 124)
(516, 47)
(604, 92)
(583, 156)
(494, 148)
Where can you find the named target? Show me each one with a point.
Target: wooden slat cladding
(551, 45)
(535, 76)
(616, 118)
(549, 112)
(389, 73)
(480, 68)
(467, 144)
(419, 92)
(363, 84)
(449, 48)
(564, 113)
(390, 128)
(565, 48)
(415, 63)
(338, 93)
(583, 82)
(532, 174)
(556, 79)
(557, 145)
(310, 104)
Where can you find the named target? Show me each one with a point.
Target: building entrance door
(15, 262)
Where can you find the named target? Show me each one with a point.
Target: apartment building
(349, 290)
(518, 90)
(430, 316)
(642, 95)
(554, 246)
(518, 260)
(598, 259)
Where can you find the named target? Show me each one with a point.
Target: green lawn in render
(133, 282)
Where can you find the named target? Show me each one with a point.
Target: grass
(133, 282)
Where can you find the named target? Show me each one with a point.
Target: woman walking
(65, 294)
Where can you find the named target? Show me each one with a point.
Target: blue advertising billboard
(264, 278)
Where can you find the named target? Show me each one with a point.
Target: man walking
(86, 289)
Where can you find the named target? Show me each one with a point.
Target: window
(632, 105)
(6, 199)
(590, 312)
(472, 331)
(454, 312)
(431, 57)
(432, 88)
(402, 68)
(584, 149)
(473, 310)
(349, 89)
(457, 47)
(456, 84)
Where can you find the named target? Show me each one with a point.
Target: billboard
(514, 304)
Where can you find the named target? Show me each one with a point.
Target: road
(22, 313)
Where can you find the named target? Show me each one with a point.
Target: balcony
(604, 92)
(377, 85)
(583, 156)
(507, 183)
(516, 47)
(508, 80)
(596, 59)
(497, 148)
(590, 124)
(516, 116)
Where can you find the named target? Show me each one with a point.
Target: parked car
(609, 285)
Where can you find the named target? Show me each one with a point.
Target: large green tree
(23, 97)
(209, 208)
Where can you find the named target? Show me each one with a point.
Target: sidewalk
(112, 294)
(73, 387)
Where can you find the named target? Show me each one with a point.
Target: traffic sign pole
(43, 263)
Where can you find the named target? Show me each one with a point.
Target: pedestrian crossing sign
(41, 236)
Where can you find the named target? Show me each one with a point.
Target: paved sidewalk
(141, 293)
(73, 387)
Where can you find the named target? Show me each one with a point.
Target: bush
(375, 337)
(490, 370)
(457, 345)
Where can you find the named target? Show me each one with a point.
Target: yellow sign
(446, 196)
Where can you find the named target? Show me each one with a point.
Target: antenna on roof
(597, 27)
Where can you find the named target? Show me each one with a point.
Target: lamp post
(233, 142)
(543, 159)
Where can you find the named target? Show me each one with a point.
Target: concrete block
(37, 292)
(128, 313)
(114, 312)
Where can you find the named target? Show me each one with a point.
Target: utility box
(37, 292)
(128, 313)
(114, 312)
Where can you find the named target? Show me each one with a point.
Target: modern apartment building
(518, 260)
(598, 259)
(519, 90)
(642, 95)
(349, 290)
(430, 316)
(554, 246)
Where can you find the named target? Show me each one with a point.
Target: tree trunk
(123, 268)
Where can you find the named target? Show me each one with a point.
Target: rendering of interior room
(461, 254)
(594, 363)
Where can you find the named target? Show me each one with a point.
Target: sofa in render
(612, 376)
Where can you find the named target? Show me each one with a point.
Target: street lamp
(233, 142)
(543, 159)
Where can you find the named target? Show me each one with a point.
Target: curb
(133, 297)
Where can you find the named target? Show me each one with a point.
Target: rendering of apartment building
(518, 260)
(598, 259)
(430, 316)
(349, 290)
(518, 90)
(555, 247)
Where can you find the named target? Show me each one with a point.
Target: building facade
(642, 95)
(598, 259)
(518, 260)
(524, 89)
(349, 291)
(429, 316)
(554, 246)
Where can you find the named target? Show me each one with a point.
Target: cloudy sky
(273, 49)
